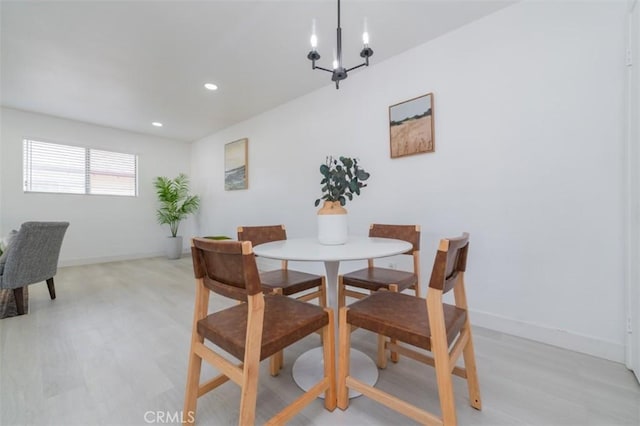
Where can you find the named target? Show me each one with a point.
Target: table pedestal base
(308, 369)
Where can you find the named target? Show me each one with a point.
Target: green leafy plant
(175, 202)
(341, 179)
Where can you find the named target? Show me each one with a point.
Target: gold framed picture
(411, 126)
(236, 165)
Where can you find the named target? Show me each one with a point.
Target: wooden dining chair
(284, 281)
(251, 331)
(420, 325)
(374, 278)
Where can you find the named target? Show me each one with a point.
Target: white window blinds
(50, 167)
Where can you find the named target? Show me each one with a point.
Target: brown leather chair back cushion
(262, 234)
(227, 267)
(449, 263)
(408, 233)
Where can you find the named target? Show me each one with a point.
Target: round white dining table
(307, 369)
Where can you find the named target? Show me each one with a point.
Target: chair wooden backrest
(450, 262)
(408, 233)
(263, 234)
(223, 271)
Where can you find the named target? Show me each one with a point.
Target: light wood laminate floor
(112, 350)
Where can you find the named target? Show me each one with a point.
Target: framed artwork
(411, 126)
(236, 165)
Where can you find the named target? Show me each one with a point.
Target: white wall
(529, 120)
(633, 205)
(102, 228)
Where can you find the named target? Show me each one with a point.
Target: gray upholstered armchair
(32, 257)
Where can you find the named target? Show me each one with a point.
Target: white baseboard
(562, 338)
(106, 259)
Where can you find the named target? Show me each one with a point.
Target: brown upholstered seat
(404, 317)
(374, 278)
(288, 282)
(260, 326)
(289, 320)
(415, 323)
(284, 281)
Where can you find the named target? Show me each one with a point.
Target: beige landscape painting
(411, 126)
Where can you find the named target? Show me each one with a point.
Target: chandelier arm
(323, 69)
(364, 64)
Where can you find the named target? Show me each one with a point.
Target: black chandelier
(339, 72)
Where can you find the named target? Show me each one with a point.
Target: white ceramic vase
(332, 223)
(174, 247)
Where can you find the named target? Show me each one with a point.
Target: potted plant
(341, 180)
(175, 205)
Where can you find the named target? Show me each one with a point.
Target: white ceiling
(124, 64)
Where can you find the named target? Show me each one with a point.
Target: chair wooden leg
(18, 295)
(52, 288)
(440, 350)
(249, 395)
(322, 301)
(323, 293)
(472, 373)
(382, 354)
(193, 382)
(251, 368)
(276, 362)
(416, 288)
(445, 391)
(274, 365)
(329, 354)
(343, 359)
(394, 355)
(342, 298)
(468, 352)
(195, 362)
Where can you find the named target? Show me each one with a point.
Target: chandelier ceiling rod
(339, 72)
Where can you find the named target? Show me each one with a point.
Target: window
(50, 167)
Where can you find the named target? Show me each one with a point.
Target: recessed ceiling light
(211, 86)
(157, 124)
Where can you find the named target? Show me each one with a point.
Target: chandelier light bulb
(314, 37)
(365, 33)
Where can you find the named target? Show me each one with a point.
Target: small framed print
(236, 165)
(411, 126)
